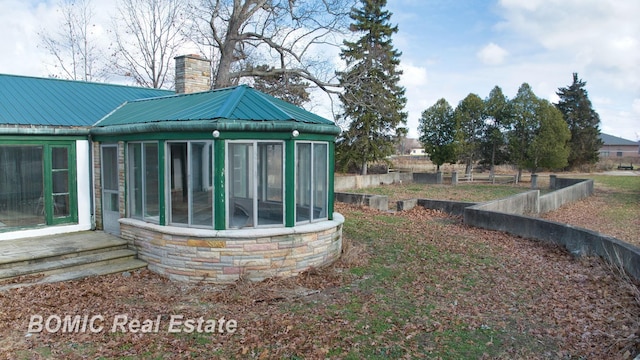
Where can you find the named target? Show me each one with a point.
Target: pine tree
(437, 129)
(372, 99)
(469, 116)
(538, 135)
(498, 113)
(583, 121)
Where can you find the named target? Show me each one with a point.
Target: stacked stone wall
(225, 256)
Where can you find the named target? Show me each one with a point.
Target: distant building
(618, 148)
(418, 152)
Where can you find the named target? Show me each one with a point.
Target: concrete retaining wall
(577, 240)
(427, 178)
(450, 207)
(379, 202)
(342, 183)
(524, 203)
(573, 191)
(508, 215)
(187, 254)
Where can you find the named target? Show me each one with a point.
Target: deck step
(16, 253)
(53, 266)
(81, 271)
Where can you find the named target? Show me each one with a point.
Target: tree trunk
(363, 171)
(493, 161)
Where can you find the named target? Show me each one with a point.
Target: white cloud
(602, 36)
(492, 54)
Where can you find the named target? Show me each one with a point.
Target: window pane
(109, 168)
(179, 181)
(240, 162)
(110, 201)
(151, 182)
(201, 195)
(61, 205)
(59, 158)
(60, 181)
(320, 165)
(303, 182)
(270, 184)
(135, 180)
(21, 186)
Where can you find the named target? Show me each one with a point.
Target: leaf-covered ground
(614, 209)
(413, 285)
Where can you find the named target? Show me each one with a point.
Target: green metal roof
(240, 107)
(53, 102)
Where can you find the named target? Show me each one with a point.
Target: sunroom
(219, 185)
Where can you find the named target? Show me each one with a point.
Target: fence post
(454, 178)
(534, 181)
(552, 182)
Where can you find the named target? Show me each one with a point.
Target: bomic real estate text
(123, 323)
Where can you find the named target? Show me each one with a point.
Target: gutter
(220, 125)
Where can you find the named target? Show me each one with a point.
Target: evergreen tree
(537, 133)
(498, 113)
(373, 101)
(549, 148)
(437, 133)
(522, 126)
(469, 116)
(583, 121)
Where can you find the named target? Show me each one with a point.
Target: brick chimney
(193, 74)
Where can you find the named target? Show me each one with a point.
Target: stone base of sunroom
(197, 255)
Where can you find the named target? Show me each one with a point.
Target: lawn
(416, 285)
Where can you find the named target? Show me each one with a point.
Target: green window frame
(190, 187)
(143, 181)
(312, 181)
(57, 201)
(255, 183)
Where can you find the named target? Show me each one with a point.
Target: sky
(451, 48)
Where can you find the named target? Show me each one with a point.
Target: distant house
(418, 152)
(618, 148)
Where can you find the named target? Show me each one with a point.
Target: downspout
(92, 192)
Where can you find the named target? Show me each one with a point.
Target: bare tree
(148, 35)
(75, 47)
(287, 35)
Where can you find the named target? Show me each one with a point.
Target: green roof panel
(241, 103)
(53, 102)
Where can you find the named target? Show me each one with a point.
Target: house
(45, 152)
(205, 185)
(418, 152)
(619, 149)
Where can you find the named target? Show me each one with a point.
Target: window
(191, 183)
(144, 200)
(619, 154)
(312, 179)
(36, 184)
(255, 184)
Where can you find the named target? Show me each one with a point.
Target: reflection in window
(191, 183)
(60, 181)
(21, 186)
(255, 184)
(312, 178)
(143, 181)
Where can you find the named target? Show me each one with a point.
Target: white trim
(246, 233)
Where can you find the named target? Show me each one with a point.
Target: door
(110, 196)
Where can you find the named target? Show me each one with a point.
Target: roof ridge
(232, 102)
(38, 78)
